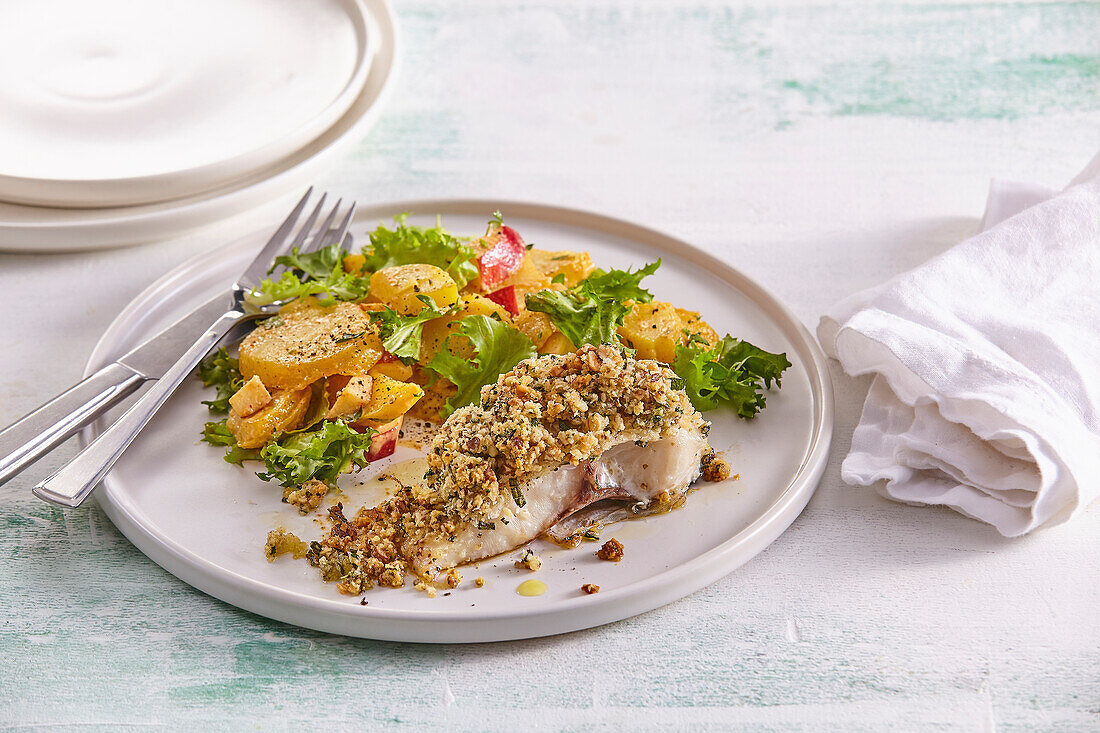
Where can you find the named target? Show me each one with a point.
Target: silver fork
(73, 482)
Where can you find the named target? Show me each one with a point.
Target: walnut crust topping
(546, 412)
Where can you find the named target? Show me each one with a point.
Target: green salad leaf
(221, 371)
(591, 311)
(732, 372)
(402, 335)
(499, 348)
(406, 245)
(322, 454)
(312, 273)
(217, 433)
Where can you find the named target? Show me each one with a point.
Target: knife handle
(38, 432)
(73, 482)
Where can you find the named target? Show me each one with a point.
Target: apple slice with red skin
(384, 442)
(503, 258)
(506, 298)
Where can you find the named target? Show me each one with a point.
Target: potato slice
(436, 331)
(431, 404)
(573, 266)
(653, 330)
(312, 342)
(691, 321)
(389, 400)
(558, 343)
(284, 412)
(394, 369)
(354, 262)
(398, 287)
(535, 326)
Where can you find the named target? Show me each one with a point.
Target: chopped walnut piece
(452, 577)
(612, 550)
(590, 589)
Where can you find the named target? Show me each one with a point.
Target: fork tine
(339, 234)
(317, 240)
(278, 244)
(332, 235)
(307, 226)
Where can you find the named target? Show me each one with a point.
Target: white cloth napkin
(986, 394)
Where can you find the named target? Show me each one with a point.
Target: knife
(56, 421)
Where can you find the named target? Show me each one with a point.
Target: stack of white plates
(131, 120)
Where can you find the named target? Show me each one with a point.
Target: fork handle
(72, 483)
(38, 432)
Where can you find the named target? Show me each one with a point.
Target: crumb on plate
(306, 497)
(280, 542)
(715, 468)
(612, 551)
(529, 560)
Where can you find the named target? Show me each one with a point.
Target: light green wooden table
(820, 148)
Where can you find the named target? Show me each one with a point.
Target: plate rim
(123, 226)
(661, 588)
(166, 186)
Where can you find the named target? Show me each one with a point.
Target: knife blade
(43, 429)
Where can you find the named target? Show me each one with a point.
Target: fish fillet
(555, 435)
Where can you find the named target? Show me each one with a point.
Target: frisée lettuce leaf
(406, 245)
(322, 454)
(499, 348)
(314, 273)
(732, 372)
(591, 311)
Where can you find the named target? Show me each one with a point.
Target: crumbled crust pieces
(280, 542)
(590, 589)
(306, 497)
(612, 550)
(529, 560)
(715, 468)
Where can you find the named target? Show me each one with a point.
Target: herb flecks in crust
(545, 412)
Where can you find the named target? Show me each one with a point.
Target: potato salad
(417, 323)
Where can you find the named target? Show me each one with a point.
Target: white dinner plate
(206, 521)
(125, 102)
(39, 228)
